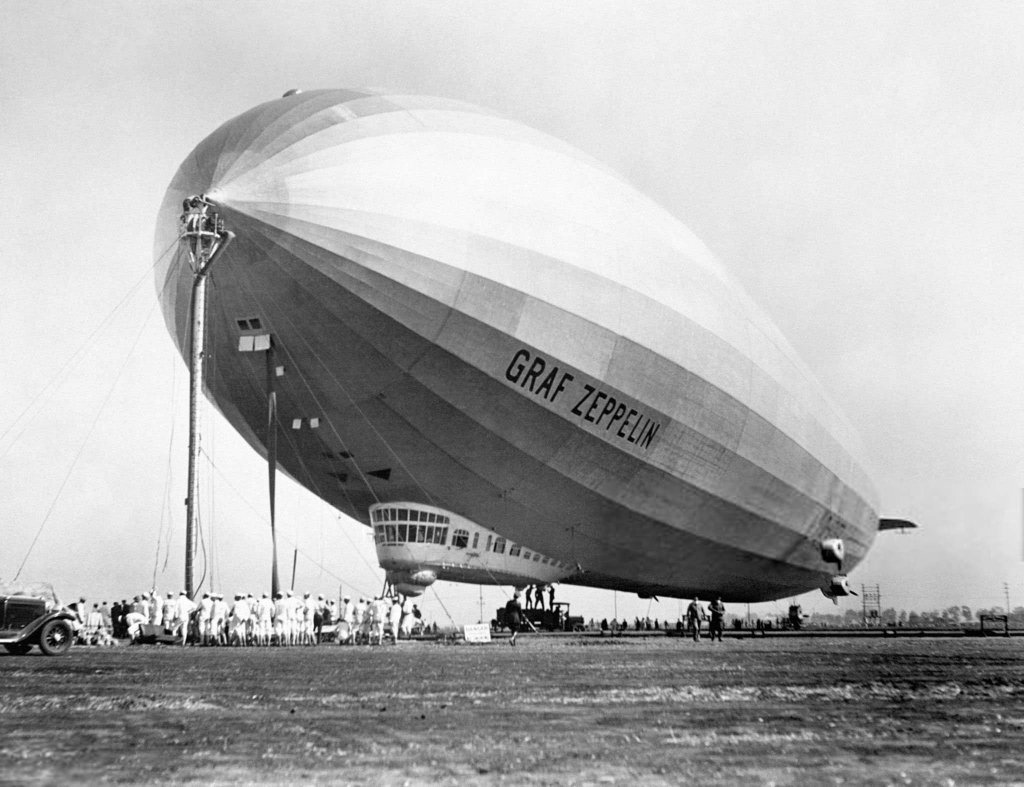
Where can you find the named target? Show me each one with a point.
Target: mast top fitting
(202, 229)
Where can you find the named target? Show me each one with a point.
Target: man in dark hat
(717, 610)
(513, 614)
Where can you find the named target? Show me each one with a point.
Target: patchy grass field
(550, 711)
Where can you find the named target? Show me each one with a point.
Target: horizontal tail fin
(896, 524)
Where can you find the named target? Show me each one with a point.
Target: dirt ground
(552, 710)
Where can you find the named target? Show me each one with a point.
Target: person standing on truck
(513, 615)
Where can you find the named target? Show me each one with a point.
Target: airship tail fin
(896, 524)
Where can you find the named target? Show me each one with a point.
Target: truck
(556, 619)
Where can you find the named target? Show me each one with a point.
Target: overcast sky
(859, 167)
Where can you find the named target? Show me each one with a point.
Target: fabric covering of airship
(469, 313)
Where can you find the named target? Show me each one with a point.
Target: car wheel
(55, 638)
(18, 648)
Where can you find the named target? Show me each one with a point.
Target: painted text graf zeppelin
(580, 399)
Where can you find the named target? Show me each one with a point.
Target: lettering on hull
(584, 401)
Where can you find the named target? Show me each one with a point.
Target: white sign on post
(477, 632)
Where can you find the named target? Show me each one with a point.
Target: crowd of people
(692, 622)
(285, 620)
(288, 620)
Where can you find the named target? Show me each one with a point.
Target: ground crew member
(359, 622)
(183, 610)
(395, 617)
(348, 616)
(169, 610)
(156, 611)
(694, 615)
(264, 620)
(296, 617)
(134, 621)
(319, 611)
(139, 607)
(241, 613)
(281, 619)
(717, 609)
(251, 624)
(107, 618)
(205, 617)
(219, 617)
(378, 613)
(306, 610)
(513, 613)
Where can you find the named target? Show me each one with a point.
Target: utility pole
(871, 604)
(1006, 592)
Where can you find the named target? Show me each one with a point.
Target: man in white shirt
(346, 615)
(264, 620)
(308, 612)
(182, 613)
(142, 606)
(220, 615)
(294, 606)
(377, 615)
(281, 619)
(205, 619)
(395, 618)
(361, 626)
(252, 624)
(93, 626)
(156, 608)
(240, 614)
(170, 610)
(133, 622)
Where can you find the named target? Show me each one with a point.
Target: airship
(457, 315)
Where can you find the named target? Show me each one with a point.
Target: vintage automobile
(26, 621)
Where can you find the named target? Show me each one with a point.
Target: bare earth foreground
(550, 711)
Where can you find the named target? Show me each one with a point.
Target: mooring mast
(204, 237)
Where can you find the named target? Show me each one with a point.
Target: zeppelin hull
(469, 314)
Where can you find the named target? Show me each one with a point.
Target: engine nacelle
(839, 585)
(412, 583)
(423, 577)
(833, 551)
(410, 591)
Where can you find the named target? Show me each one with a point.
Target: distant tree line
(951, 617)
